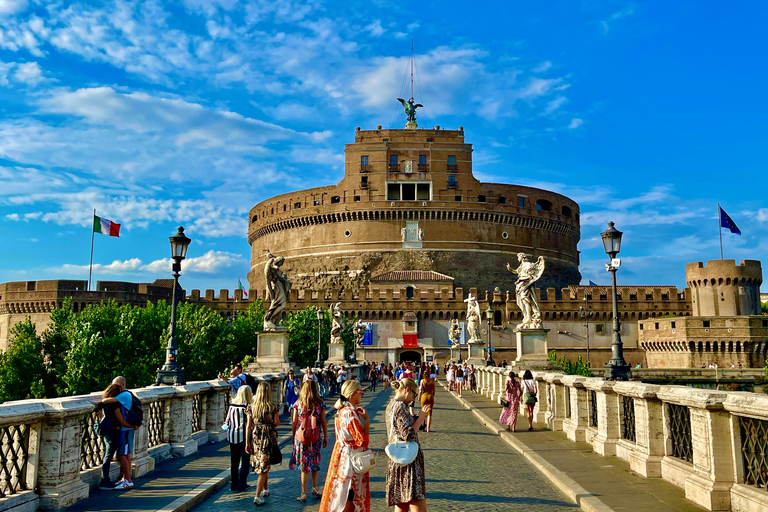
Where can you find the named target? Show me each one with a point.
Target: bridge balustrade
(50, 455)
(712, 444)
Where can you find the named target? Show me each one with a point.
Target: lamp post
(319, 362)
(489, 317)
(171, 372)
(619, 369)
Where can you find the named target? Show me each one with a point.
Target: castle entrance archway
(414, 356)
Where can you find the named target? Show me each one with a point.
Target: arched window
(567, 212)
(502, 200)
(543, 204)
(497, 318)
(254, 218)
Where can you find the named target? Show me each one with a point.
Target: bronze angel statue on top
(410, 109)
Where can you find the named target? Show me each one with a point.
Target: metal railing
(754, 451)
(14, 457)
(628, 418)
(155, 421)
(680, 432)
(92, 446)
(197, 413)
(593, 408)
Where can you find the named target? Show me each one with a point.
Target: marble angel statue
(528, 272)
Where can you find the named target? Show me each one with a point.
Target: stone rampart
(52, 456)
(709, 443)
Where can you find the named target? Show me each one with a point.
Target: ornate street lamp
(489, 318)
(319, 362)
(171, 372)
(619, 369)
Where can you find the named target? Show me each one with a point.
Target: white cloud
(29, 72)
(12, 216)
(12, 6)
(575, 123)
(606, 24)
(375, 29)
(544, 66)
(212, 262)
(555, 104)
(657, 194)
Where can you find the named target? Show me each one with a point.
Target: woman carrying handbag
(346, 489)
(530, 392)
(406, 487)
(263, 421)
(511, 409)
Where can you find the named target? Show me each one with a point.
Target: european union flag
(591, 283)
(727, 222)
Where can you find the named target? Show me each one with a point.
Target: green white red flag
(105, 226)
(240, 287)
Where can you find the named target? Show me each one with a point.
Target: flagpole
(90, 267)
(720, 230)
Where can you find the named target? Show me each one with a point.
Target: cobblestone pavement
(468, 469)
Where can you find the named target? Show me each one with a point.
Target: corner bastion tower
(409, 201)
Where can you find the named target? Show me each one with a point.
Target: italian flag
(240, 287)
(105, 226)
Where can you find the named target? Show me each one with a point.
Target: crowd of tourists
(253, 416)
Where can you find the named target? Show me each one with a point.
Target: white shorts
(460, 380)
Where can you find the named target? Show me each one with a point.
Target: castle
(409, 233)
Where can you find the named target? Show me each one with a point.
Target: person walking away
(291, 388)
(450, 376)
(427, 397)
(373, 377)
(236, 424)
(459, 371)
(385, 372)
(307, 421)
(405, 485)
(345, 490)
(262, 427)
(472, 379)
(512, 393)
(530, 392)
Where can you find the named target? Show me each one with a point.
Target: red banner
(410, 341)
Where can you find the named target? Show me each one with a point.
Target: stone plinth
(532, 351)
(335, 354)
(476, 353)
(271, 353)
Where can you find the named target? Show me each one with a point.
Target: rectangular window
(364, 161)
(706, 323)
(672, 324)
(408, 191)
(422, 192)
(599, 328)
(452, 183)
(452, 160)
(423, 160)
(392, 159)
(521, 201)
(317, 203)
(296, 206)
(364, 182)
(393, 191)
(457, 199)
(502, 200)
(357, 199)
(335, 199)
(429, 140)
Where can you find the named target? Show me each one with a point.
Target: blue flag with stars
(727, 222)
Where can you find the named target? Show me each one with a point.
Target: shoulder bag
(362, 460)
(401, 453)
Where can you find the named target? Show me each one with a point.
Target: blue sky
(190, 112)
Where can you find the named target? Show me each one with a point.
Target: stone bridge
(596, 442)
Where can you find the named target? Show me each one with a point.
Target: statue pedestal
(271, 353)
(532, 352)
(476, 353)
(411, 125)
(336, 354)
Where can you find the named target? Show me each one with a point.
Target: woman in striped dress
(235, 425)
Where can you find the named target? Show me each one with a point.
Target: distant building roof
(412, 276)
(163, 283)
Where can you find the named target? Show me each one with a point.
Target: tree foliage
(302, 328)
(23, 372)
(579, 367)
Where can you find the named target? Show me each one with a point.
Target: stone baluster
(29, 412)
(608, 431)
(556, 397)
(142, 462)
(645, 455)
(575, 426)
(58, 473)
(541, 409)
(216, 411)
(180, 421)
(709, 481)
(498, 383)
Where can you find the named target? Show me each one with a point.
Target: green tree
(205, 340)
(302, 336)
(56, 343)
(579, 367)
(764, 307)
(246, 327)
(22, 368)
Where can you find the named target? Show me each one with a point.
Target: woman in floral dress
(262, 424)
(306, 457)
(406, 485)
(345, 490)
(513, 392)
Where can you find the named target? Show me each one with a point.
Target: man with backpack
(131, 411)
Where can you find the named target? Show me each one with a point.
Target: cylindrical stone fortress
(722, 288)
(409, 201)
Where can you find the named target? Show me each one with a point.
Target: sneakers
(107, 485)
(265, 493)
(258, 501)
(123, 485)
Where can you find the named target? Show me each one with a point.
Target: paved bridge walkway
(469, 468)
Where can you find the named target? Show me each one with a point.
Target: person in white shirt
(530, 395)
(309, 375)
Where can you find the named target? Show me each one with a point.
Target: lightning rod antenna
(411, 68)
